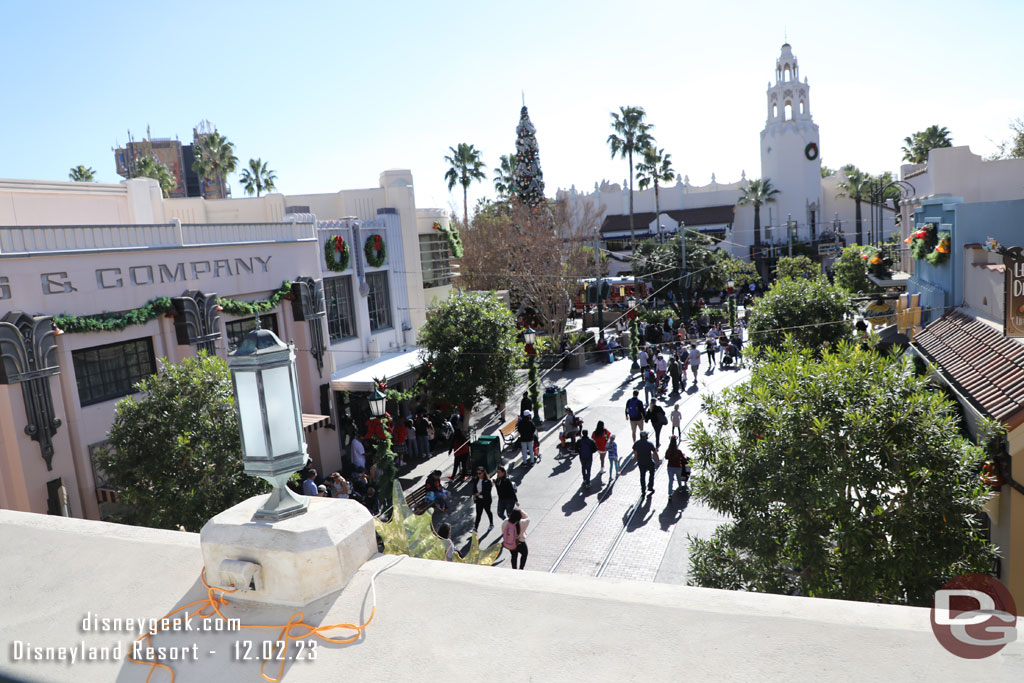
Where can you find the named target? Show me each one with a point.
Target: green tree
(258, 178)
(175, 455)
(850, 271)
(757, 193)
(813, 313)
(464, 166)
(472, 348)
(151, 167)
(656, 168)
(1014, 147)
(923, 141)
(631, 133)
(844, 476)
(826, 171)
(856, 185)
(797, 267)
(528, 178)
(82, 174)
(214, 159)
(504, 177)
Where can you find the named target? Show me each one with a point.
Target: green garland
(336, 244)
(454, 240)
(109, 322)
(375, 250)
(940, 254)
(240, 308)
(922, 246)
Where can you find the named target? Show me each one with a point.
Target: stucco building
(162, 269)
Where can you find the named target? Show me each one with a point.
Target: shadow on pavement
(579, 501)
(673, 510)
(641, 514)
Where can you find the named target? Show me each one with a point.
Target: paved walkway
(616, 532)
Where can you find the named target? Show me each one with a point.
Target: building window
(237, 329)
(378, 301)
(435, 258)
(107, 372)
(340, 313)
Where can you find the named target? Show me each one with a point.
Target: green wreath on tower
(375, 251)
(336, 253)
(811, 151)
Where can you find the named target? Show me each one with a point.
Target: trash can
(577, 360)
(486, 452)
(555, 401)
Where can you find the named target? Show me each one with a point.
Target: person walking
(513, 536)
(460, 450)
(675, 372)
(526, 403)
(709, 348)
(505, 488)
(694, 359)
(677, 421)
(641, 360)
(660, 368)
(635, 413)
(656, 416)
(646, 456)
(423, 430)
(411, 442)
(650, 385)
(600, 436)
(613, 457)
(482, 498)
(675, 461)
(587, 449)
(527, 431)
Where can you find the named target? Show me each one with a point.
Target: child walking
(613, 457)
(677, 421)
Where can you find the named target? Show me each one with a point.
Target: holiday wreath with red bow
(375, 251)
(336, 253)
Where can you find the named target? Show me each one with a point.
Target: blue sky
(332, 93)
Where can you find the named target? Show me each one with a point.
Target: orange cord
(215, 602)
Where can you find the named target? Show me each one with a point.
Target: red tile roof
(985, 366)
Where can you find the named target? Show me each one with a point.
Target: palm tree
(151, 167)
(656, 168)
(215, 159)
(756, 193)
(258, 177)
(465, 166)
(504, 176)
(632, 134)
(857, 186)
(923, 141)
(82, 174)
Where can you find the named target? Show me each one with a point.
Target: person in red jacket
(675, 462)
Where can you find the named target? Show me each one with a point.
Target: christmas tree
(529, 179)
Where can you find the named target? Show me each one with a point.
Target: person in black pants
(587, 449)
(482, 497)
(646, 456)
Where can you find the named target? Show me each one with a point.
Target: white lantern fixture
(730, 284)
(530, 336)
(378, 402)
(267, 403)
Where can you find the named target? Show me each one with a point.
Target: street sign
(827, 248)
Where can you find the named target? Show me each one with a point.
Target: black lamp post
(378, 402)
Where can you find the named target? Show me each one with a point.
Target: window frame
(330, 285)
(373, 304)
(274, 327)
(82, 376)
(435, 260)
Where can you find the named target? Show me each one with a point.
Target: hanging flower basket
(941, 252)
(336, 253)
(991, 475)
(925, 241)
(376, 252)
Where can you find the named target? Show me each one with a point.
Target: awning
(311, 422)
(392, 366)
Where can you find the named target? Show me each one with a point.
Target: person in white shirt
(641, 359)
(694, 359)
(661, 367)
(677, 421)
(358, 456)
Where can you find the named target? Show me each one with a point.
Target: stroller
(731, 358)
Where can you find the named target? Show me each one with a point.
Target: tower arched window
(787, 114)
(788, 74)
(775, 111)
(802, 108)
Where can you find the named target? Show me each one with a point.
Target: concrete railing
(36, 239)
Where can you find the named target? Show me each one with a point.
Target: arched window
(775, 111)
(787, 115)
(788, 73)
(802, 110)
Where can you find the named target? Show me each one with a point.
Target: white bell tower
(790, 155)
